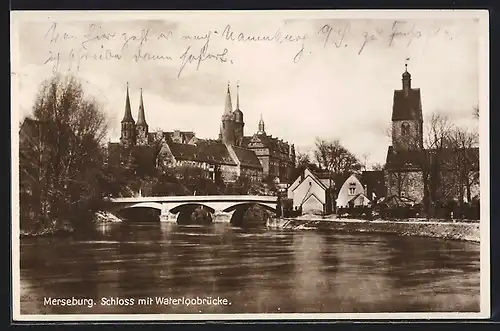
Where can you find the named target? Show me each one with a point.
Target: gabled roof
(186, 152)
(396, 201)
(269, 142)
(247, 157)
(357, 196)
(246, 140)
(321, 174)
(311, 195)
(213, 153)
(314, 178)
(407, 107)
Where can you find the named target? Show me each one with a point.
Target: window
(405, 129)
(352, 188)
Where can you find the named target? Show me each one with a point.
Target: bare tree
(465, 160)
(475, 112)
(378, 167)
(335, 158)
(68, 158)
(364, 159)
(302, 160)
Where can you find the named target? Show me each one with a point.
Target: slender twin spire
(128, 111)
(128, 118)
(229, 105)
(238, 96)
(141, 118)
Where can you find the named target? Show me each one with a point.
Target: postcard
(250, 165)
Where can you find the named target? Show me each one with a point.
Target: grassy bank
(434, 229)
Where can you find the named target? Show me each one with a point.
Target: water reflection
(258, 271)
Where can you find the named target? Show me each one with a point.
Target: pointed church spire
(128, 112)
(261, 126)
(229, 105)
(238, 96)
(141, 117)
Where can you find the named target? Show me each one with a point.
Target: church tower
(127, 137)
(227, 125)
(141, 125)
(239, 124)
(407, 119)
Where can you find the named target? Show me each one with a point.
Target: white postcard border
(483, 17)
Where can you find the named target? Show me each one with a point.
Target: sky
(308, 77)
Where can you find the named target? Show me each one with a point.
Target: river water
(233, 270)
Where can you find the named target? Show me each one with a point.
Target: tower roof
(141, 117)
(128, 112)
(261, 126)
(229, 105)
(406, 74)
(407, 106)
(238, 114)
(238, 96)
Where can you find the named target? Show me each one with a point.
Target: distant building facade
(311, 193)
(352, 193)
(230, 156)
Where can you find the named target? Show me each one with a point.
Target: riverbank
(423, 228)
(66, 229)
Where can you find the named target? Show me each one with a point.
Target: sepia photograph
(172, 165)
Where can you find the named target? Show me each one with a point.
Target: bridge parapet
(201, 199)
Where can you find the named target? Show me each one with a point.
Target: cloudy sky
(308, 76)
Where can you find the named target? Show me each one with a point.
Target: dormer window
(352, 188)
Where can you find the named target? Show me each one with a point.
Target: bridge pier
(166, 215)
(222, 217)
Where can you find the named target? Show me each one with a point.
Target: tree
(464, 160)
(475, 112)
(378, 167)
(62, 157)
(302, 160)
(334, 157)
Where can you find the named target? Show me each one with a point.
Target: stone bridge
(223, 208)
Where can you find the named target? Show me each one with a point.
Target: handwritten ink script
(70, 50)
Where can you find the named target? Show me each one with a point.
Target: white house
(352, 194)
(309, 192)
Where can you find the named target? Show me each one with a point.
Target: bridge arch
(152, 205)
(268, 207)
(242, 218)
(193, 213)
(139, 212)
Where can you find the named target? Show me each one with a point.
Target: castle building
(419, 174)
(230, 156)
(276, 156)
